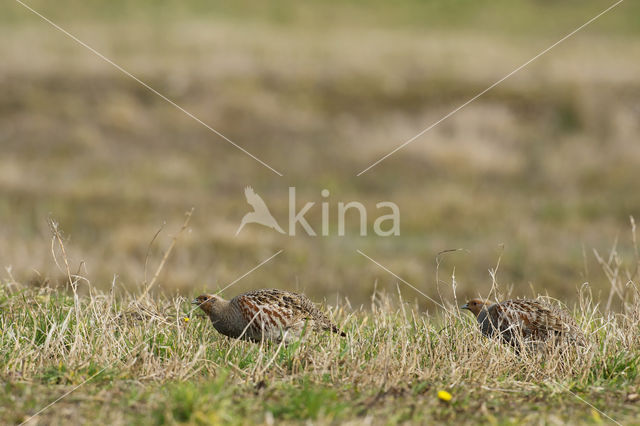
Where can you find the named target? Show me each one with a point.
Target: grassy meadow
(535, 182)
(154, 360)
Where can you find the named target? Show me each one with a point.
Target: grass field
(536, 180)
(154, 360)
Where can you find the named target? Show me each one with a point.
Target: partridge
(268, 314)
(525, 321)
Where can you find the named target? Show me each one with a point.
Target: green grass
(503, 16)
(146, 364)
(537, 176)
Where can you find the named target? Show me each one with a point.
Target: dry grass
(141, 353)
(541, 173)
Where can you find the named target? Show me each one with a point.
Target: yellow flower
(186, 319)
(443, 395)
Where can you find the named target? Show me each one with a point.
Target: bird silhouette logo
(260, 213)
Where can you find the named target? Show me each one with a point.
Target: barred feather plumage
(268, 314)
(525, 321)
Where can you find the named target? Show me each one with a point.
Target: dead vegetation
(540, 173)
(395, 357)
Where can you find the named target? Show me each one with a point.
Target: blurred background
(538, 173)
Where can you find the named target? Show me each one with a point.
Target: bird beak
(465, 306)
(195, 302)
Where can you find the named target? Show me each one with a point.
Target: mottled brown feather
(268, 314)
(525, 321)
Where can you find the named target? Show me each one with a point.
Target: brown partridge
(268, 314)
(525, 321)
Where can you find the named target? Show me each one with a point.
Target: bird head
(476, 305)
(206, 302)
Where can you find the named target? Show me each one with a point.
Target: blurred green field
(538, 173)
(500, 16)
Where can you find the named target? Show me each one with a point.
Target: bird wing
(535, 318)
(505, 316)
(255, 200)
(284, 310)
(263, 312)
